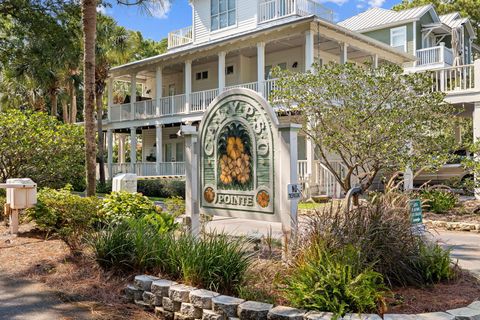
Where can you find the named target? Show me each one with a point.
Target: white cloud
(159, 10)
(375, 3)
(102, 9)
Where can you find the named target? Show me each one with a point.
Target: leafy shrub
(175, 206)
(104, 188)
(434, 262)
(162, 188)
(123, 205)
(63, 213)
(215, 262)
(320, 279)
(439, 201)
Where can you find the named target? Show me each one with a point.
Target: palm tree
(89, 26)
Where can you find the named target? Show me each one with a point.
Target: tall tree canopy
(467, 8)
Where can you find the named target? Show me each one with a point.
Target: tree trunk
(101, 161)
(89, 21)
(66, 118)
(73, 105)
(53, 104)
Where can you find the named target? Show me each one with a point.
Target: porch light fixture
(295, 65)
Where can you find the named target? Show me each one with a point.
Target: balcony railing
(200, 100)
(273, 9)
(180, 37)
(435, 55)
(454, 79)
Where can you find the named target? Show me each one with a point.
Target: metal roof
(377, 18)
(453, 20)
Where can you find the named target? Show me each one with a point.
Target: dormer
(216, 19)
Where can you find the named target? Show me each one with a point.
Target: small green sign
(416, 211)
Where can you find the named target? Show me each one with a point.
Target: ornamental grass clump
(217, 262)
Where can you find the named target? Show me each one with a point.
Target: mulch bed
(79, 279)
(76, 279)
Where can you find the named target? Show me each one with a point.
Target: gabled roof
(378, 18)
(455, 20)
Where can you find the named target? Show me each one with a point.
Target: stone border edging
(172, 301)
(453, 226)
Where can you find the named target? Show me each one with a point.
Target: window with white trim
(223, 14)
(398, 38)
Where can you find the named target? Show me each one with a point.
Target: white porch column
(158, 148)
(133, 94)
(476, 138)
(261, 67)
(309, 50)
(375, 60)
(188, 83)
(310, 154)
(191, 178)
(476, 73)
(110, 97)
(121, 148)
(133, 149)
(110, 153)
(158, 88)
(343, 53)
(221, 71)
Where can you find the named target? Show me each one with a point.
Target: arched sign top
(238, 138)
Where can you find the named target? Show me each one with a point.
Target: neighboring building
(230, 44)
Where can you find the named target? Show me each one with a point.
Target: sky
(176, 14)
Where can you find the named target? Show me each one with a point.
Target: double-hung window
(398, 38)
(223, 14)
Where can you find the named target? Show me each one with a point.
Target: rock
(477, 227)
(180, 316)
(252, 310)
(170, 305)
(211, 315)
(143, 282)
(435, 316)
(202, 298)
(132, 293)
(160, 287)
(144, 305)
(226, 305)
(317, 315)
(285, 313)
(474, 305)
(465, 313)
(233, 318)
(180, 292)
(361, 316)
(190, 311)
(399, 317)
(163, 314)
(149, 298)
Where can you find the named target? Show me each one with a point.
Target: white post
(476, 74)
(158, 149)
(191, 178)
(343, 53)
(309, 50)
(221, 71)
(110, 153)
(442, 52)
(110, 97)
(261, 67)
(133, 94)
(158, 88)
(121, 148)
(375, 61)
(288, 171)
(188, 84)
(476, 137)
(133, 149)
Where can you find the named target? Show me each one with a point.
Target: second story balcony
(439, 56)
(180, 37)
(273, 9)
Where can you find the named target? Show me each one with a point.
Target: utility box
(126, 182)
(21, 193)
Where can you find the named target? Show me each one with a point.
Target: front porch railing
(454, 78)
(150, 168)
